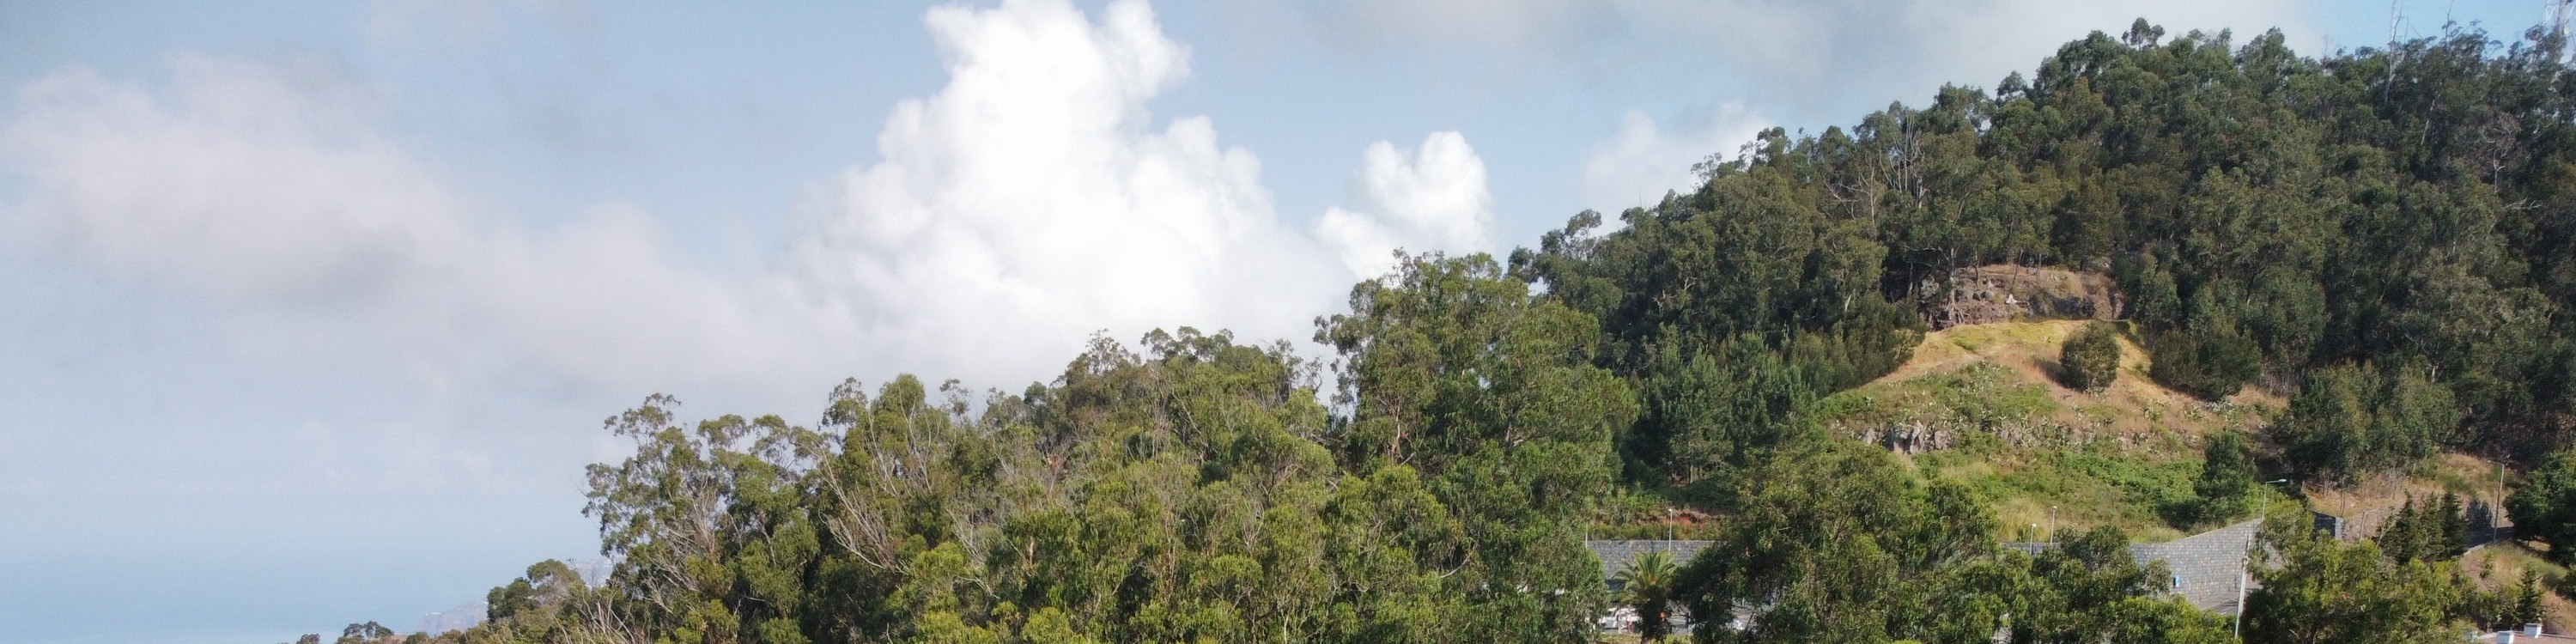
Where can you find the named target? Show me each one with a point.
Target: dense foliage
(2381, 235)
(2436, 531)
(1196, 491)
(2318, 590)
(2544, 506)
(1838, 542)
(2264, 215)
(2350, 420)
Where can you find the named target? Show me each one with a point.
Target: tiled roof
(2207, 567)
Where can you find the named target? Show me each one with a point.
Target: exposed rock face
(2010, 293)
(1909, 437)
(1921, 436)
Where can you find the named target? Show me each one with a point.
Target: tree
(1455, 369)
(2090, 359)
(2209, 365)
(2450, 526)
(1724, 410)
(2350, 420)
(2403, 538)
(707, 522)
(2437, 530)
(2226, 477)
(1646, 586)
(2322, 591)
(1834, 542)
(2088, 589)
(2325, 434)
(2543, 507)
(548, 603)
(506, 601)
(2527, 606)
(366, 633)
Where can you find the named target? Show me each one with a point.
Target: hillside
(1979, 404)
(2245, 215)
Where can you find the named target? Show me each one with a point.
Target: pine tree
(2402, 537)
(2226, 477)
(2527, 607)
(2452, 523)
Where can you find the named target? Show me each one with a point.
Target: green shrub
(2091, 359)
(2209, 367)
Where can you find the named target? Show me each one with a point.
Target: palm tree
(1646, 585)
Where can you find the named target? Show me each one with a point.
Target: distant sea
(140, 573)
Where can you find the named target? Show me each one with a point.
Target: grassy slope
(2500, 565)
(1994, 417)
(2372, 501)
(2051, 457)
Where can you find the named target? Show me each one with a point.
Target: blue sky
(313, 308)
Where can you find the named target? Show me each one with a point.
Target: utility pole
(2237, 625)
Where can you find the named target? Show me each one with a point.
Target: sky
(310, 312)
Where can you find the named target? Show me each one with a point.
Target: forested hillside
(2400, 219)
(2380, 239)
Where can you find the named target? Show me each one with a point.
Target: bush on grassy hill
(2090, 359)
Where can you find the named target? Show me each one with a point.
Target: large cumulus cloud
(1033, 200)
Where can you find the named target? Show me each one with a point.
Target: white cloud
(1030, 202)
(262, 186)
(1636, 167)
(1431, 198)
(253, 181)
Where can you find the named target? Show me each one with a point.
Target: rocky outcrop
(1918, 436)
(1909, 437)
(2011, 293)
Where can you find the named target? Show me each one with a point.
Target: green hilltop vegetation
(2342, 271)
(1987, 406)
